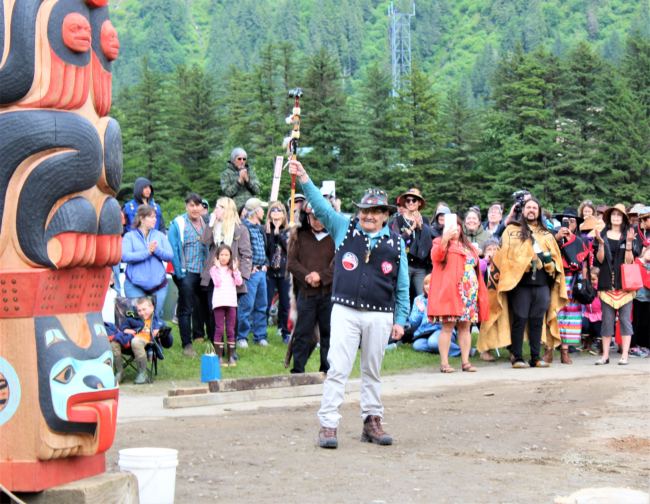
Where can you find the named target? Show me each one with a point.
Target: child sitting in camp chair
(141, 334)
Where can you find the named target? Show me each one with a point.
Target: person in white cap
(251, 308)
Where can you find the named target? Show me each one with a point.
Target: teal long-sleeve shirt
(337, 225)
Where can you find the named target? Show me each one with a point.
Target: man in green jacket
(238, 179)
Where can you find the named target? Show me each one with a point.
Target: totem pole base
(34, 476)
(107, 488)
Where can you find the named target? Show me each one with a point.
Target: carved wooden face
(76, 32)
(110, 43)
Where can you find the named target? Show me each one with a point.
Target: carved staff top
(292, 146)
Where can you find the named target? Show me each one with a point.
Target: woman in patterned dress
(574, 253)
(457, 296)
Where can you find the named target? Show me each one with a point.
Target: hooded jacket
(131, 207)
(143, 269)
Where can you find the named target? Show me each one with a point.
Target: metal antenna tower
(399, 30)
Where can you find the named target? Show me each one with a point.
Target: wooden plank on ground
(266, 382)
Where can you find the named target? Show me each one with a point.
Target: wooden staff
(292, 147)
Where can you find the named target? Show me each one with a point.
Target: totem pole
(60, 227)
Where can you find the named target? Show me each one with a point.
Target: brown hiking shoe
(327, 438)
(374, 433)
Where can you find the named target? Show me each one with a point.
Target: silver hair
(236, 152)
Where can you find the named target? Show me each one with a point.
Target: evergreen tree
(613, 48)
(417, 117)
(266, 115)
(623, 147)
(636, 67)
(324, 120)
(579, 104)
(482, 72)
(143, 112)
(195, 133)
(524, 93)
(234, 107)
(376, 113)
(460, 183)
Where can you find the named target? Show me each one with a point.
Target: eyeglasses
(411, 200)
(241, 159)
(275, 209)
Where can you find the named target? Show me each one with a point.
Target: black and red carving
(69, 374)
(106, 48)
(60, 231)
(17, 71)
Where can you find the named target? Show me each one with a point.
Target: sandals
(487, 357)
(467, 367)
(446, 368)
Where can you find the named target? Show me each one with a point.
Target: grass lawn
(265, 361)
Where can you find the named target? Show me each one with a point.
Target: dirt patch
(631, 443)
(498, 443)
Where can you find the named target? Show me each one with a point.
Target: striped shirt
(257, 243)
(194, 251)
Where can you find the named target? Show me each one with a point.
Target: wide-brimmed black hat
(569, 213)
(375, 198)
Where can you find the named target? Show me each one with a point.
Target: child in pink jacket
(225, 277)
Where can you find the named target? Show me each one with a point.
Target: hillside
(453, 40)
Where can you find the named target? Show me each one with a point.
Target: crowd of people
(389, 275)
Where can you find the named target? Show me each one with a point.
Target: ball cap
(254, 204)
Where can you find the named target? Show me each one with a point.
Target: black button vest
(363, 278)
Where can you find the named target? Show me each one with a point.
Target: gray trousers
(349, 328)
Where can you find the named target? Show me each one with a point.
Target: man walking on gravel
(370, 304)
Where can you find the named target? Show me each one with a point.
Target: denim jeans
(133, 292)
(251, 308)
(192, 308)
(416, 279)
(430, 344)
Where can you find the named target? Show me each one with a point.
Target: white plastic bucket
(155, 469)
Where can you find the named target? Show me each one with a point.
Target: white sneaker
(242, 343)
(263, 342)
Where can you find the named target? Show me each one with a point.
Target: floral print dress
(468, 289)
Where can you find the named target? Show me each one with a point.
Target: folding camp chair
(125, 307)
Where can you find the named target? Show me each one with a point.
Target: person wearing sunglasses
(414, 229)
(238, 180)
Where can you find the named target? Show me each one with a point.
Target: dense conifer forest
(552, 96)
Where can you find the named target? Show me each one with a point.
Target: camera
(520, 199)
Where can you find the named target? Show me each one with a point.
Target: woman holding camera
(574, 253)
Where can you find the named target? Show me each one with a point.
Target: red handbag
(631, 277)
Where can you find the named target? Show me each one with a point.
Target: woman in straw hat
(414, 229)
(615, 246)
